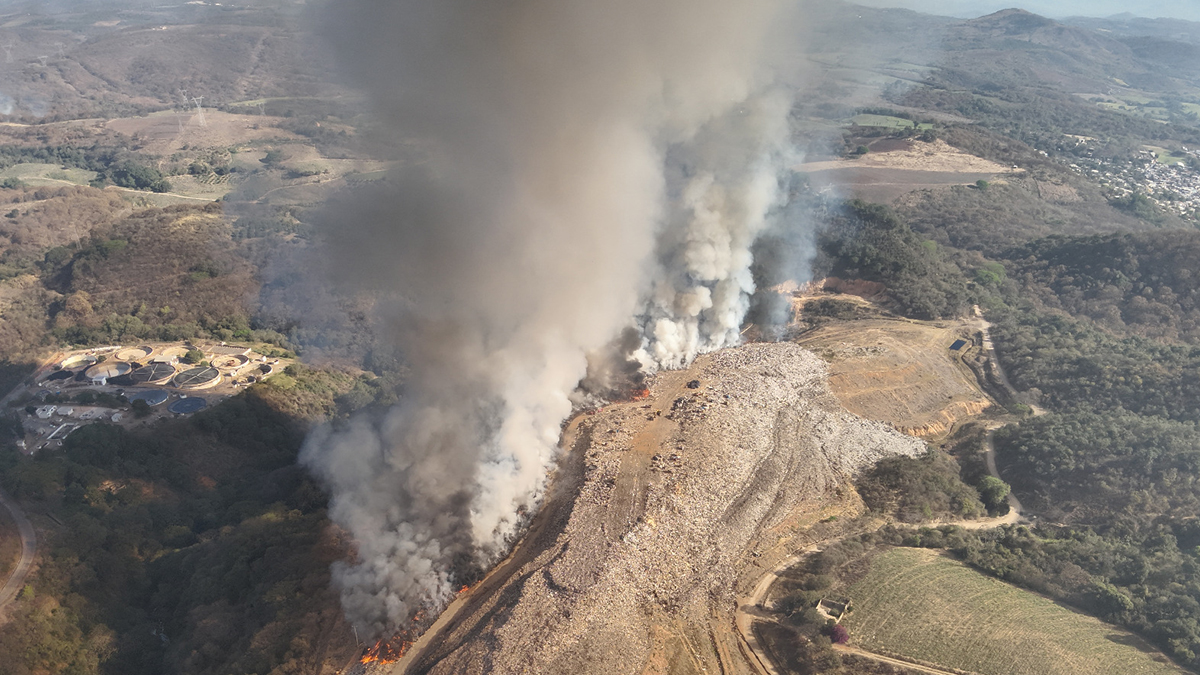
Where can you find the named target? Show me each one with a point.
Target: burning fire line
(391, 650)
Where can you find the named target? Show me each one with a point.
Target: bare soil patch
(896, 167)
(165, 133)
(901, 372)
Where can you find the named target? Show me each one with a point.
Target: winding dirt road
(751, 606)
(28, 548)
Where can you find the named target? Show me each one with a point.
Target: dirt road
(846, 649)
(1014, 504)
(751, 607)
(28, 548)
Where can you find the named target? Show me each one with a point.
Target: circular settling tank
(150, 396)
(230, 362)
(134, 354)
(188, 404)
(198, 378)
(172, 352)
(78, 361)
(108, 370)
(155, 373)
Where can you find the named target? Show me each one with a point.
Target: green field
(1165, 156)
(47, 174)
(917, 604)
(887, 121)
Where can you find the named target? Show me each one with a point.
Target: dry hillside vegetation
(900, 372)
(32, 221)
(903, 166)
(663, 513)
(177, 258)
(915, 155)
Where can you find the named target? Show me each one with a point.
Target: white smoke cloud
(729, 182)
(581, 166)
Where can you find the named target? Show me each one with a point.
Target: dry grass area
(164, 133)
(10, 545)
(901, 167)
(917, 604)
(899, 371)
(938, 156)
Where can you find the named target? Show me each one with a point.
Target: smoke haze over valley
(462, 336)
(571, 170)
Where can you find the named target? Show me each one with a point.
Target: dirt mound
(901, 372)
(662, 510)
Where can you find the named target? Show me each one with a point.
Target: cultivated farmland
(917, 604)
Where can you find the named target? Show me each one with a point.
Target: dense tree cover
(1144, 283)
(868, 241)
(1070, 363)
(199, 549)
(1120, 471)
(113, 164)
(916, 489)
(130, 174)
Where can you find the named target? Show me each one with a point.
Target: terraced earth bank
(663, 511)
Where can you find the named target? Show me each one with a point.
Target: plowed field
(917, 604)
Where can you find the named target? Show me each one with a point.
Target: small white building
(44, 412)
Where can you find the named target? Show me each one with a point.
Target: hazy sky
(1181, 9)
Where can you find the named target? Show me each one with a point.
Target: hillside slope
(664, 510)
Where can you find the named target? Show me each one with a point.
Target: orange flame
(386, 651)
(641, 395)
(464, 589)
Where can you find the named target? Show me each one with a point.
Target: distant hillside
(75, 59)
(1142, 284)
(1129, 26)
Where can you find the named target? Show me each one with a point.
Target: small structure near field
(834, 608)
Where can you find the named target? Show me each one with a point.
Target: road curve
(28, 548)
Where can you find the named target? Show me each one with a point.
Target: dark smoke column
(570, 168)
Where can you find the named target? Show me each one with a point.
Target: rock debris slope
(660, 510)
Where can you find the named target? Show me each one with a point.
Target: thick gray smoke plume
(573, 168)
